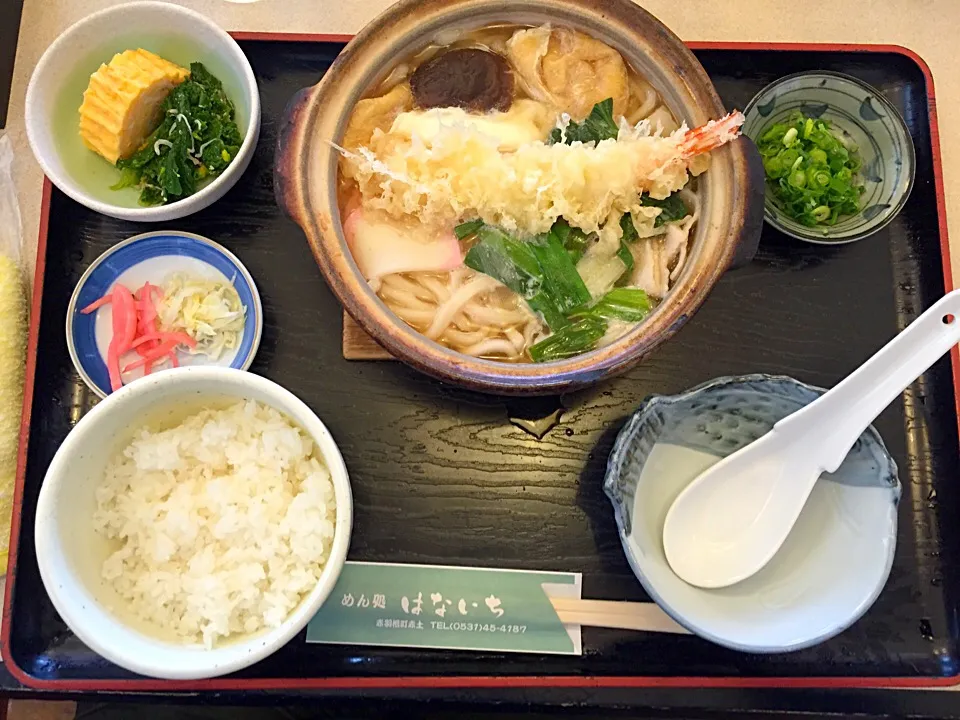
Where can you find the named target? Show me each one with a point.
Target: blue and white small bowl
(153, 257)
(833, 564)
(872, 122)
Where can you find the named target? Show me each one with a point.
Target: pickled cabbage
(209, 311)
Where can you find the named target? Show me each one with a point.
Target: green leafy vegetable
(626, 257)
(629, 304)
(630, 233)
(465, 230)
(811, 170)
(197, 139)
(539, 270)
(542, 271)
(673, 208)
(598, 125)
(573, 239)
(151, 195)
(561, 281)
(574, 339)
(588, 325)
(505, 259)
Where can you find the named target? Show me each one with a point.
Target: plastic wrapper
(13, 336)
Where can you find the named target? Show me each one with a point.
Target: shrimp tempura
(460, 173)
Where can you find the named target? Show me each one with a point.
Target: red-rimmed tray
(443, 476)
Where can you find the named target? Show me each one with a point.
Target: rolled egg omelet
(122, 104)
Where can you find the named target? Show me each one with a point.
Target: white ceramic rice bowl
(70, 553)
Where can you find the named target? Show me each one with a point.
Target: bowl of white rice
(193, 522)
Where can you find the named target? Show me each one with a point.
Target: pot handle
(288, 158)
(748, 239)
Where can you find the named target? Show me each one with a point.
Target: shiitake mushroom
(470, 78)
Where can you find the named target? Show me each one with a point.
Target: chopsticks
(614, 614)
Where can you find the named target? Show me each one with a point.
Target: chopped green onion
(773, 166)
(818, 177)
(788, 158)
(811, 170)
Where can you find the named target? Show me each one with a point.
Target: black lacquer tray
(445, 476)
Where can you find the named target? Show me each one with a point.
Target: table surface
(909, 23)
(9, 26)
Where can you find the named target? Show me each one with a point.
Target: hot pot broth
(521, 193)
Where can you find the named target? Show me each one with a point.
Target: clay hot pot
(306, 178)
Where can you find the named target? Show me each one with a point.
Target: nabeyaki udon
(521, 194)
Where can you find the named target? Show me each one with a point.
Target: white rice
(225, 520)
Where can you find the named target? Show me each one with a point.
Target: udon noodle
(521, 194)
(463, 309)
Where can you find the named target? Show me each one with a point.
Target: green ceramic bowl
(866, 116)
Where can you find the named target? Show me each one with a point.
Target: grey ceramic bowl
(875, 125)
(832, 566)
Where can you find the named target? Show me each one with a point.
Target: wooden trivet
(358, 345)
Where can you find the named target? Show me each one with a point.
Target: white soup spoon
(731, 520)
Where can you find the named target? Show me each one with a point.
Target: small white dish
(865, 116)
(152, 257)
(70, 553)
(56, 87)
(730, 521)
(832, 566)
